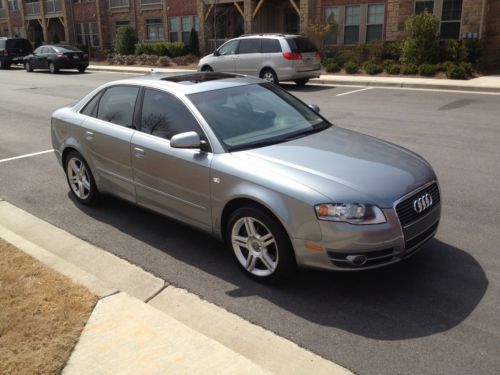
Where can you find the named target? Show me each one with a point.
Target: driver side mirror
(314, 107)
(186, 140)
(216, 52)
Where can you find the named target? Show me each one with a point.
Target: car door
(35, 59)
(171, 181)
(107, 134)
(226, 57)
(249, 57)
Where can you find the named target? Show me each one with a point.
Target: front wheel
(28, 66)
(53, 68)
(207, 68)
(260, 245)
(269, 75)
(80, 179)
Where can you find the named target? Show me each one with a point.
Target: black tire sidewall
(286, 257)
(94, 193)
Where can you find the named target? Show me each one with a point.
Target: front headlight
(353, 213)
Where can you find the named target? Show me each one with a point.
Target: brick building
(94, 22)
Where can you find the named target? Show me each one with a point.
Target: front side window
(117, 105)
(154, 29)
(351, 27)
(450, 19)
(375, 22)
(229, 48)
(256, 115)
(249, 46)
(164, 115)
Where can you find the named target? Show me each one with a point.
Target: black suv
(13, 50)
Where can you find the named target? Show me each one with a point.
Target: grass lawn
(42, 314)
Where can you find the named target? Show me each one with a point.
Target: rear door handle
(139, 152)
(89, 135)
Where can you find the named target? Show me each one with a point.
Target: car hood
(344, 166)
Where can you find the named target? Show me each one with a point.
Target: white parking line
(352, 92)
(26, 155)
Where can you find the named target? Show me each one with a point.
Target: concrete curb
(381, 82)
(160, 328)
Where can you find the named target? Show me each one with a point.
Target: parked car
(273, 57)
(56, 57)
(13, 50)
(247, 162)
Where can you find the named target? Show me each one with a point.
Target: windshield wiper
(266, 142)
(317, 128)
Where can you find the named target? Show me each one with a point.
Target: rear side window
(249, 46)
(300, 45)
(117, 105)
(270, 46)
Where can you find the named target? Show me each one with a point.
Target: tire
(53, 68)
(4, 65)
(80, 179)
(266, 255)
(28, 67)
(301, 82)
(81, 70)
(269, 75)
(207, 68)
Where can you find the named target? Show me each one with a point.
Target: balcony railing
(3, 14)
(151, 2)
(13, 5)
(32, 9)
(52, 6)
(118, 4)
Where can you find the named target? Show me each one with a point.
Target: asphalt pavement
(439, 312)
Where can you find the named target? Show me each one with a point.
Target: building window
(120, 24)
(331, 15)
(450, 19)
(425, 5)
(13, 5)
(375, 22)
(180, 28)
(351, 27)
(87, 33)
(154, 29)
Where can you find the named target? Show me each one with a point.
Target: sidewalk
(141, 325)
(481, 84)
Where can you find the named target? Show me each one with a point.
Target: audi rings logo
(423, 203)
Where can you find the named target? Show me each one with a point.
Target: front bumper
(379, 244)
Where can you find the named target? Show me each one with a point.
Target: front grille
(405, 210)
(421, 238)
(373, 258)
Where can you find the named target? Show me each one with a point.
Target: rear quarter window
(301, 45)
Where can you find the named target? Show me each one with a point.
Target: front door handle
(89, 135)
(139, 152)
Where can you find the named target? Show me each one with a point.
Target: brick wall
(84, 12)
(493, 34)
(181, 7)
(397, 12)
(471, 16)
(15, 18)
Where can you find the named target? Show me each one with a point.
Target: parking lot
(438, 312)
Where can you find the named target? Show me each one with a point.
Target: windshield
(256, 115)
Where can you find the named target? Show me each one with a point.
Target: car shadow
(292, 87)
(431, 292)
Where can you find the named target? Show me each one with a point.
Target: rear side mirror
(186, 140)
(314, 107)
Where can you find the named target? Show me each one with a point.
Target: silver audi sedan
(247, 162)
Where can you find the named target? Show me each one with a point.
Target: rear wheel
(28, 67)
(301, 82)
(4, 65)
(269, 75)
(80, 179)
(260, 245)
(53, 68)
(81, 70)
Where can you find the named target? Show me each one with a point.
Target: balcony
(52, 6)
(113, 4)
(32, 9)
(3, 14)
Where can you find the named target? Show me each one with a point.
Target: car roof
(190, 82)
(271, 35)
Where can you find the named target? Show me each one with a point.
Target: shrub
(152, 59)
(391, 50)
(164, 61)
(455, 72)
(161, 49)
(409, 69)
(351, 67)
(129, 60)
(110, 59)
(467, 67)
(180, 60)
(420, 45)
(388, 63)
(194, 45)
(332, 67)
(443, 66)
(393, 69)
(119, 59)
(428, 70)
(126, 39)
(452, 50)
(473, 50)
(176, 49)
(372, 67)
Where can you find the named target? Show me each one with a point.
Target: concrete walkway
(142, 325)
(481, 84)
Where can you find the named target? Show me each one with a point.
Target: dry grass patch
(42, 314)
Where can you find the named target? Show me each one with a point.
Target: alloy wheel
(78, 178)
